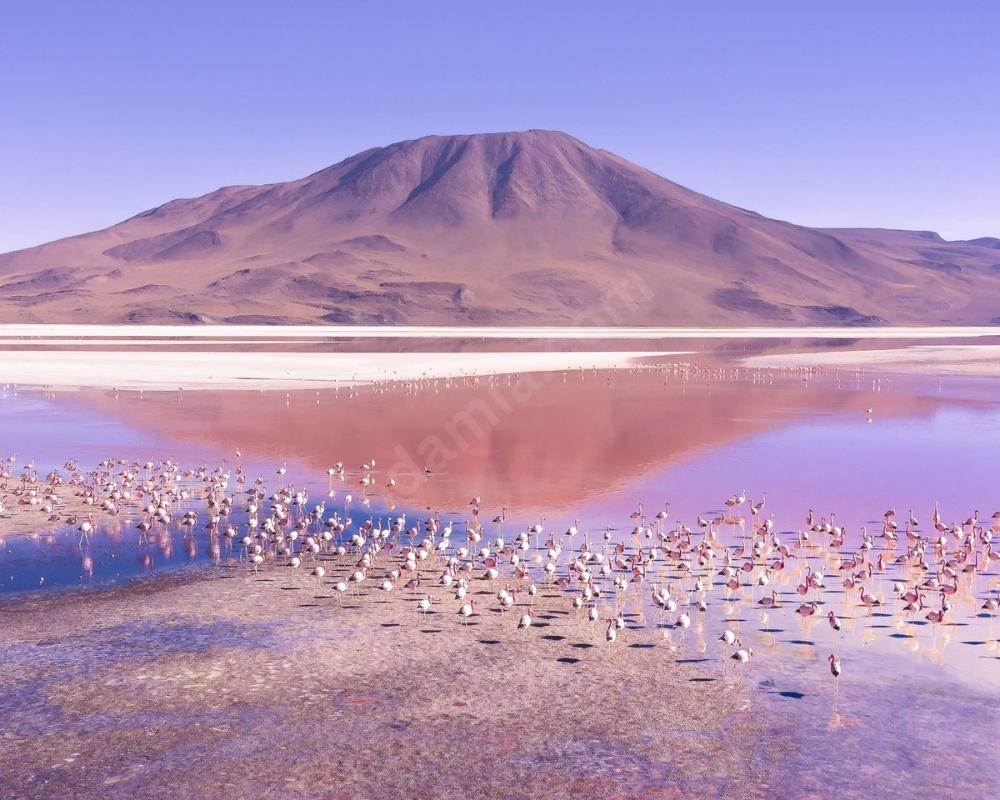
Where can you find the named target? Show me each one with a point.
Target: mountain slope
(499, 228)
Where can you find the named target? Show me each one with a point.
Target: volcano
(531, 227)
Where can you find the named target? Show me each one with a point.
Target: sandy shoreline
(224, 684)
(22, 519)
(263, 370)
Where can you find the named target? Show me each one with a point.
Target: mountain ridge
(500, 228)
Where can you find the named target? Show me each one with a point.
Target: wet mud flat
(221, 683)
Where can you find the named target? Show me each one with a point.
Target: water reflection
(531, 442)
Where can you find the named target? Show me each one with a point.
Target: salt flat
(27, 362)
(67, 369)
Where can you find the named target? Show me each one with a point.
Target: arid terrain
(500, 228)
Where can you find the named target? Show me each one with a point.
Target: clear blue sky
(827, 113)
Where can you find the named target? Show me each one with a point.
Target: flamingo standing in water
(835, 670)
(318, 574)
(611, 635)
(499, 519)
(86, 528)
(742, 656)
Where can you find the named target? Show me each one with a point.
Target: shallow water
(590, 447)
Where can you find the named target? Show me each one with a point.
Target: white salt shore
(69, 369)
(27, 362)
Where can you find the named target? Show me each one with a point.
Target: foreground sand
(226, 684)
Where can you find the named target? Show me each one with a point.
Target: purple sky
(825, 113)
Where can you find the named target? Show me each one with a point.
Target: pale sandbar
(69, 369)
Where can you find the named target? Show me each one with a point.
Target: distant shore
(170, 357)
(17, 331)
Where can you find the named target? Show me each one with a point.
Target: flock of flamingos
(921, 574)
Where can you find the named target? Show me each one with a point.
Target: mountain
(531, 227)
